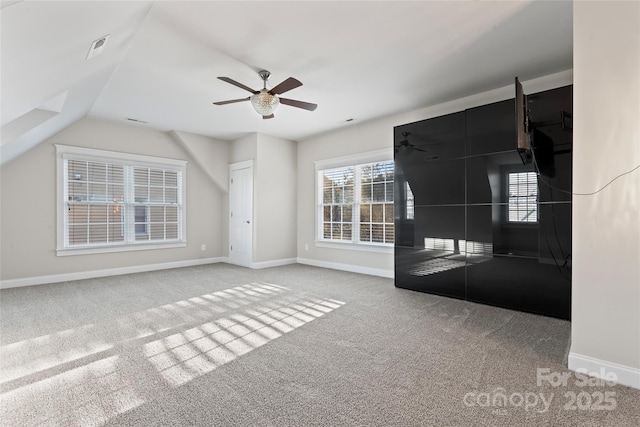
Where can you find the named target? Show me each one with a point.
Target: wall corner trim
(67, 277)
(627, 375)
(380, 272)
(175, 136)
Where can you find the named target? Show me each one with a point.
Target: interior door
(241, 213)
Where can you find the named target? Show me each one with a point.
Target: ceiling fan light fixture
(264, 103)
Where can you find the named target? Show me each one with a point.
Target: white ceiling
(357, 60)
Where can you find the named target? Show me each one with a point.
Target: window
(337, 203)
(114, 201)
(355, 203)
(409, 203)
(523, 197)
(376, 202)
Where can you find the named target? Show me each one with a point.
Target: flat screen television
(522, 122)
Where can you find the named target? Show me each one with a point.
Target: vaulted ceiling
(357, 60)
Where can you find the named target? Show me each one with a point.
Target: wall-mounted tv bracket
(564, 117)
(562, 122)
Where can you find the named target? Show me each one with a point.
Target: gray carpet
(221, 345)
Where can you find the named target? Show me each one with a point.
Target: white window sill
(363, 247)
(119, 248)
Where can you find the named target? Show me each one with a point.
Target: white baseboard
(274, 263)
(348, 267)
(66, 277)
(596, 367)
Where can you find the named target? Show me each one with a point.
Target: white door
(241, 213)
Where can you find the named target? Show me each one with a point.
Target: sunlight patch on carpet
(184, 356)
(92, 373)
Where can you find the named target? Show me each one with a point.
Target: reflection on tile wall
(473, 220)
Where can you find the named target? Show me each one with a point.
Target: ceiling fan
(266, 101)
(405, 146)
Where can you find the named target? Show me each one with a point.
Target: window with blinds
(356, 203)
(111, 202)
(523, 197)
(95, 203)
(376, 202)
(409, 202)
(337, 203)
(156, 207)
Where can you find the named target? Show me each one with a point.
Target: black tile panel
(553, 161)
(524, 284)
(433, 271)
(555, 236)
(440, 182)
(461, 240)
(438, 138)
(491, 128)
(487, 176)
(488, 225)
(434, 261)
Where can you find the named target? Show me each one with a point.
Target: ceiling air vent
(97, 46)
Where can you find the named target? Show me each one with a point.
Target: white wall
(371, 136)
(605, 328)
(245, 148)
(28, 209)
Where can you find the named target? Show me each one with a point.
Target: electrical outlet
(203, 247)
(306, 246)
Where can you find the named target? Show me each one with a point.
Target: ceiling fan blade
(300, 104)
(285, 86)
(235, 83)
(270, 116)
(406, 146)
(231, 101)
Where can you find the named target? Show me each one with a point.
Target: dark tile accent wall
(458, 240)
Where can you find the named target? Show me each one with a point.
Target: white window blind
(376, 202)
(523, 197)
(156, 207)
(95, 203)
(337, 203)
(112, 202)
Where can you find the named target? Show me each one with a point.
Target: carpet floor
(221, 345)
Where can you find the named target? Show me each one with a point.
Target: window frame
(356, 160)
(128, 160)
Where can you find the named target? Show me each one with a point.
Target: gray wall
(275, 200)
(28, 209)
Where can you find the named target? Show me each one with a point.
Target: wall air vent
(97, 46)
